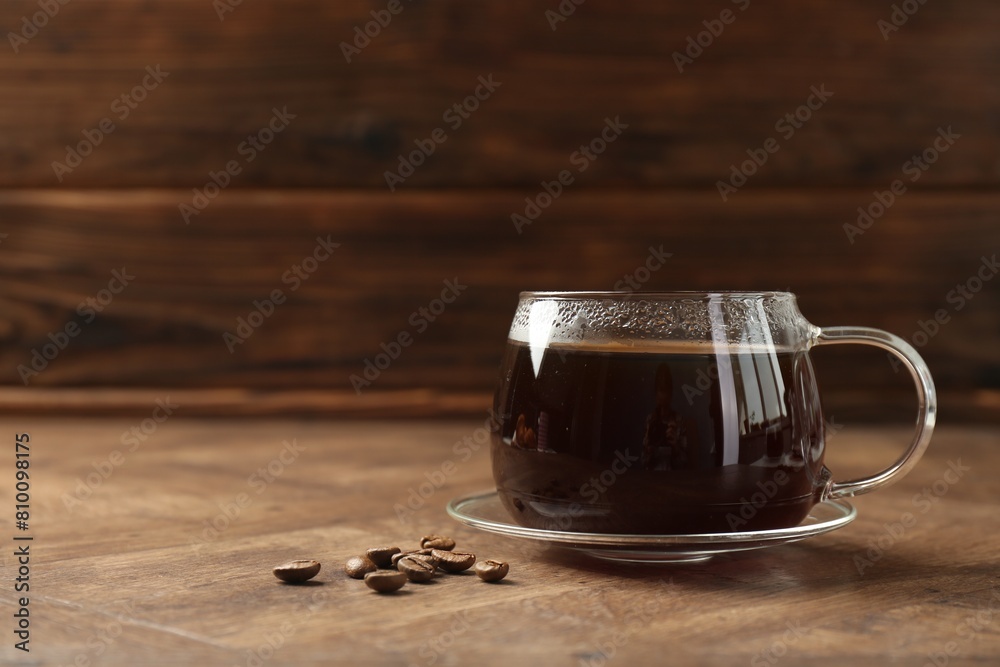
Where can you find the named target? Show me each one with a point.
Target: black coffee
(658, 441)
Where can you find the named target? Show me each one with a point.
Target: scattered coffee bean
(416, 568)
(492, 570)
(421, 553)
(416, 565)
(297, 571)
(427, 555)
(454, 561)
(359, 566)
(433, 561)
(385, 581)
(382, 556)
(437, 542)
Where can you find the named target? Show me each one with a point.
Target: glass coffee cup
(673, 413)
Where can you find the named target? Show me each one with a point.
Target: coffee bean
(385, 581)
(492, 570)
(416, 568)
(437, 542)
(297, 571)
(359, 566)
(427, 555)
(421, 553)
(430, 559)
(454, 561)
(382, 556)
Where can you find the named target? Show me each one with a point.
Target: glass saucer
(483, 510)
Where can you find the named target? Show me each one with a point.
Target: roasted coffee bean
(297, 571)
(359, 566)
(430, 560)
(427, 555)
(437, 542)
(492, 570)
(385, 581)
(416, 568)
(422, 553)
(382, 556)
(454, 561)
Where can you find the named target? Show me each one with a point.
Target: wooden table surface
(159, 551)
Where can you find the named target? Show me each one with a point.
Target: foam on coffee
(645, 323)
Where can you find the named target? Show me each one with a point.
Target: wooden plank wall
(341, 126)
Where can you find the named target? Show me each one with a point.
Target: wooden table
(163, 552)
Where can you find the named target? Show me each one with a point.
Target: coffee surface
(657, 440)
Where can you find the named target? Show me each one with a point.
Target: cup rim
(656, 295)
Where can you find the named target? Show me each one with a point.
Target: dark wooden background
(324, 176)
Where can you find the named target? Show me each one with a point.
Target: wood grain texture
(135, 573)
(324, 175)
(139, 402)
(608, 59)
(192, 283)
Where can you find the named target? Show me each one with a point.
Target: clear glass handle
(926, 405)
